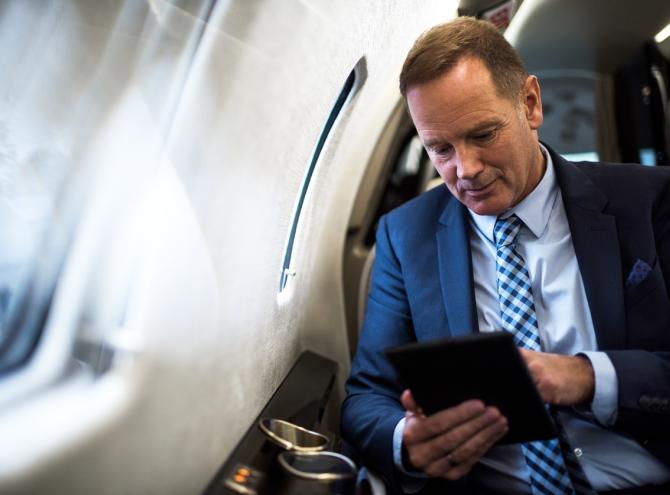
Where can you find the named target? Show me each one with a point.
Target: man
(591, 247)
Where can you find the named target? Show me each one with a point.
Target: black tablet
(486, 366)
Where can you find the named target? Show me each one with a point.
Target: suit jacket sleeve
(405, 304)
(372, 409)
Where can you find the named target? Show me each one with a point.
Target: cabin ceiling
(601, 34)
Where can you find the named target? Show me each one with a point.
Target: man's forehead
(466, 70)
(462, 117)
(453, 92)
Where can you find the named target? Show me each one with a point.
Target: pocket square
(638, 273)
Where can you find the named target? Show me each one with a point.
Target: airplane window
(33, 161)
(647, 156)
(25, 307)
(339, 103)
(588, 156)
(83, 94)
(570, 116)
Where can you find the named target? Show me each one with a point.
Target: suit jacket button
(645, 402)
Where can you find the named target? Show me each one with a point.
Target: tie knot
(506, 230)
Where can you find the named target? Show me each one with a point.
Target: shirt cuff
(606, 395)
(410, 481)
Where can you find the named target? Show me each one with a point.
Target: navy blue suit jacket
(422, 289)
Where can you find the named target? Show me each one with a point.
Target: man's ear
(532, 102)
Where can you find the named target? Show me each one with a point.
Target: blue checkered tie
(554, 469)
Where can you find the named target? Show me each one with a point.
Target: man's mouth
(478, 191)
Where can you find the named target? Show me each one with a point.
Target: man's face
(483, 146)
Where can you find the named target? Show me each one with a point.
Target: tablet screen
(485, 366)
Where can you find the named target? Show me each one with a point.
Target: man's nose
(468, 163)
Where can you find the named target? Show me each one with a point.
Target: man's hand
(448, 443)
(561, 380)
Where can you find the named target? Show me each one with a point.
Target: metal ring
(450, 459)
(318, 476)
(265, 425)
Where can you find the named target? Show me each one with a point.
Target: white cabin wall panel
(242, 139)
(217, 340)
(242, 170)
(262, 86)
(384, 39)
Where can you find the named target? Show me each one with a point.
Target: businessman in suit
(590, 249)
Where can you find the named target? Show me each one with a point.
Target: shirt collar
(534, 210)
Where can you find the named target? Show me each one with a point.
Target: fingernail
(492, 413)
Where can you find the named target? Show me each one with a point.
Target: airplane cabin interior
(189, 194)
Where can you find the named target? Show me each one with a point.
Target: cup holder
(317, 473)
(292, 437)
(319, 466)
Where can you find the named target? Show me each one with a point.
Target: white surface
(193, 160)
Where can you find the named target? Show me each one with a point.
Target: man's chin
(485, 207)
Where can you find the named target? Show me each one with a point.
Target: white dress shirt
(609, 459)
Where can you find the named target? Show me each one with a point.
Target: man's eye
(442, 150)
(484, 136)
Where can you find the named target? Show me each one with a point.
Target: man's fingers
(527, 353)
(443, 421)
(465, 432)
(474, 433)
(408, 402)
(459, 461)
(561, 380)
(443, 465)
(467, 455)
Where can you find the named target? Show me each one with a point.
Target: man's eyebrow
(487, 125)
(431, 143)
(482, 126)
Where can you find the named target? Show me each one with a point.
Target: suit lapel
(455, 265)
(594, 236)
